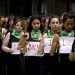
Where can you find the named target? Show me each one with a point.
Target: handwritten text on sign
(65, 44)
(32, 48)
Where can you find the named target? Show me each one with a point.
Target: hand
(19, 47)
(55, 48)
(55, 45)
(10, 50)
(72, 56)
(23, 50)
(40, 52)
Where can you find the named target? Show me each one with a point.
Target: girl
(68, 25)
(46, 21)
(34, 34)
(49, 61)
(12, 60)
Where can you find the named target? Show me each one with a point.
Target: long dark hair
(30, 23)
(66, 16)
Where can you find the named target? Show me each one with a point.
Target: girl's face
(69, 24)
(18, 26)
(54, 24)
(11, 22)
(46, 22)
(6, 19)
(36, 24)
(25, 24)
(2, 19)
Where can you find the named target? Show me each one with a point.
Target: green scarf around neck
(35, 34)
(50, 34)
(17, 34)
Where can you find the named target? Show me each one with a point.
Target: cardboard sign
(14, 48)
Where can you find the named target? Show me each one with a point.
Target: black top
(0, 45)
(12, 39)
(73, 46)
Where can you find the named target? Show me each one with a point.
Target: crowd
(17, 32)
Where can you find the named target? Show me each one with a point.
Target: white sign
(32, 48)
(14, 48)
(48, 43)
(66, 44)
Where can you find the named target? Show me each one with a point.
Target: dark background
(31, 7)
(21, 7)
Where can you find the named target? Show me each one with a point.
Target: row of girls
(35, 30)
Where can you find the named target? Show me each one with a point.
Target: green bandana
(35, 34)
(69, 34)
(17, 34)
(50, 34)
